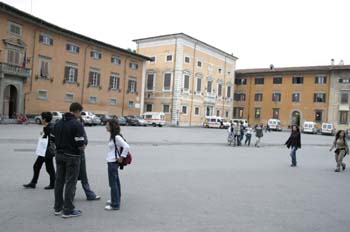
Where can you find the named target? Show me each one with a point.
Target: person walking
(69, 139)
(231, 136)
(50, 153)
(117, 151)
(294, 142)
(248, 135)
(258, 134)
(341, 149)
(238, 134)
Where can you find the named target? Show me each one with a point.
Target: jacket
(69, 135)
(51, 147)
(294, 140)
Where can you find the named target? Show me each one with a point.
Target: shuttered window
(167, 81)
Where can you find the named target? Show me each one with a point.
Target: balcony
(209, 98)
(13, 70)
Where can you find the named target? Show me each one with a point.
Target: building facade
(187, 79)
(44, 68)
(292, 95)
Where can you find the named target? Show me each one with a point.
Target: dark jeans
(114, 184)
(66, 177)
(238, 139)
(248, 138)
(50, 169)
(293, 155)
(90, 195)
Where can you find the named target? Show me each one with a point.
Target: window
(275, 113)
(296, 97)
(95, 55)
(241, 81)
(150, 81)
(132, 85)
(184, 109)
(44, 68)
(116, 60)
(257, 113)
(320, 79)
(149, 107)
(13, 56)
(238, 112)
(15, 28)
(186, 82)
(258, 97)
(153, 59)
(276, 97)
(344, 81)
(131, 104)
(70, 74)
(318, 115)
(199, 85)
(219, 90)
(219, 70)
(199, 64)
(344, 98)
(133, 65)
(298, 80)
(167, 82)
(69, 97)
(114, 81)
(228, 93)
(169, 58)
(277, 80)
(239, 97)
(259, 80)
(93, 100)
(45, 39)
(42, 94)
(166, 108)
(343, 117)
(226, 114)
(217, 113)
(187, 59)
(319, 97)
(196, 110)
(209, 86)
(73, 48)
(94, 78)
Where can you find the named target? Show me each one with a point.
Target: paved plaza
(184, 179)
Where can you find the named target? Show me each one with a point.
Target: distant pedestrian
(248, 135)
(231, 135)
(48, 158)
(238, 134)
(294, 142)
(69, 137)
(341, 149)
(242, 131)
(258, 134)
(117, 151)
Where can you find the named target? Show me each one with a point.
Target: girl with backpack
(117, 151)
(341, 149)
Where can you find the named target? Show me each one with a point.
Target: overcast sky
(258, 32)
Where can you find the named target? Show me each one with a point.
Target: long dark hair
(114, 128)
(297, 129)
(337, 135)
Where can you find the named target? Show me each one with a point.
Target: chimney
(341, 62)
(271, 67)
(332, 61)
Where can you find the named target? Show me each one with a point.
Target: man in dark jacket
(69, 139)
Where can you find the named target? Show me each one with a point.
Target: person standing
(117, 151)
(248, 135)
(294, 142)
(341, 149)
(50, 153)
(69, 138)
(238, 134)
(258, 134)
(231, 136)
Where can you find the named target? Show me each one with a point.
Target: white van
(215, 122)
(240, 121)
(327, 129)
(309, 127)
(154, 118)
(274, 124)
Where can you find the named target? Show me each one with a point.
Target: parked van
(309, 127)
(327, 129)
(240, 121)
(274, 124)
(215, 122)
(154, 118)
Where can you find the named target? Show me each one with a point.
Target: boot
(30, 185)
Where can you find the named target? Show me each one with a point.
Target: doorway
(10, 102)
(295, 118)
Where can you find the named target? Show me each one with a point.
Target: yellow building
(44, 68)
(292, 95)
(187, 79)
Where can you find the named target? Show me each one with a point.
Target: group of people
(67, 141)
(237, 131)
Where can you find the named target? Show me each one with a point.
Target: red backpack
(126, 160)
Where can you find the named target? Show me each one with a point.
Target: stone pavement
(184, 179)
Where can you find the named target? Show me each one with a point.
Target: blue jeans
(293, 155)
(114, 184)
(90, 195)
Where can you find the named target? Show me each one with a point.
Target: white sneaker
(110, 208)
(108, 202)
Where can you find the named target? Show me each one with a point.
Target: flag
(24, 59)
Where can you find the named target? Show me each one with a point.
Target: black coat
(294, 140)
(51, 147)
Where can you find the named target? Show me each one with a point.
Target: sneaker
(58, 212)
(49, 187)
(30, 185)
(337, 170)
(344, 166)
(110, 208)
(94, 199)
(74, 213)
(108, 202)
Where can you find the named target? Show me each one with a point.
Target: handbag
(41, 146)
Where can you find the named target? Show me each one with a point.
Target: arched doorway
(295, 118)
(10, 101)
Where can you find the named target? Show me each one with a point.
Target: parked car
(328, 129)
(105, 117)
(140, 121)
(56, 116)
(87, 118)
(154, 118)
(309, 127)
(95, 119)
(215, 122)
(274, 124)
(122, 120)
(241, 121)
(133, 120)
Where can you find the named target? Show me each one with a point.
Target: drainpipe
(32, 73)
(193, 78)
(173, 87)
(125, 84)
(84, 72)
(223, 102)
(143, 81)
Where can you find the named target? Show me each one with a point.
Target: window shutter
(129, 85)
(92, 54)
(41, 38)
(315, 95)
(111, 82)
(111, 59)
(78, 49)
(76, 75)
(90, 77)
(325, 80)
(135, 86)
(67, 47)
(98, 79)
(66, 73)
(51, 41)
(99, 55)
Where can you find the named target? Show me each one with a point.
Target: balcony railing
(14, 70)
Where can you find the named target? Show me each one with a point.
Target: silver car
(56, 116)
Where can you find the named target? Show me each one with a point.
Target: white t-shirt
(120, 144)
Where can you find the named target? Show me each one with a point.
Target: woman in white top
(117, 151)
